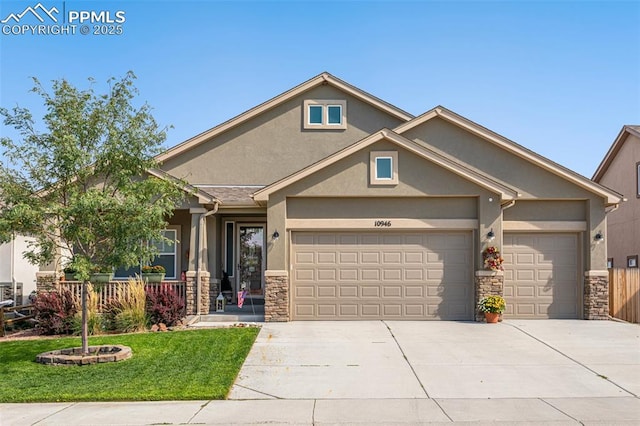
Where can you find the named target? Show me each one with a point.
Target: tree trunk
(85, 325)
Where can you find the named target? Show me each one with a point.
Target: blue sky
(560, 78)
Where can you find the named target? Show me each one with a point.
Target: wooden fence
(111, 290)
(624, 294)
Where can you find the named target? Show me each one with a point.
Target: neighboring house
(333, 204)
(620, 170)
(17, 275)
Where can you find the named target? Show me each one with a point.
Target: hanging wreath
(492, 259)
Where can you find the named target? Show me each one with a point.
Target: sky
(558, 77)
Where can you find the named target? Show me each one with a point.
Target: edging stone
(97, 355)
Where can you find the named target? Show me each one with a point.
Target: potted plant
(492, 306)
(70, 273)
(153, 273)
(101, 274)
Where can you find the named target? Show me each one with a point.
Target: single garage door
(541, 276)
(382, 275)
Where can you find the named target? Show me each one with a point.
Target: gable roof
(324, 78)
(611, 197)
(202, 196)
(615, 148)
(506, 193)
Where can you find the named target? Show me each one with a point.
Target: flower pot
(491, 317)
(69, 276)
(153, 277)
(101, 277)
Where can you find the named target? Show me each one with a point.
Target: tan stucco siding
(378, 207)
(274, 144)
(416, 177)
(530, 180)
(547, 210)
(624, 223)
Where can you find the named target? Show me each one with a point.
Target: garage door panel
(541, 275)
(303, 291)
(429, 281)
(394, 258)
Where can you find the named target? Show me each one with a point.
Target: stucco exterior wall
(405, 207)
(530, 180)
(22, 271)
(274, 144)
(624, 223)
(547, 210)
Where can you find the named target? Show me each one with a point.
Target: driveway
(552, 370)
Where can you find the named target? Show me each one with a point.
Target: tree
(81, 186)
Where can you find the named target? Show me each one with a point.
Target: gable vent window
(383, 168)
(325, 114)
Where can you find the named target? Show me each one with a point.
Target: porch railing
(106, 291)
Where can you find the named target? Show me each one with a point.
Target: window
(315, 114)
(167, 257)
(632, 261)
(638, 179)
(383, 168)
(229, 248)
(610, 263)
(324, 114)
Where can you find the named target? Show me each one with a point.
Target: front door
(251, 256)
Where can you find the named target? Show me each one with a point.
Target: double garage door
(427, 275)
(383, 275)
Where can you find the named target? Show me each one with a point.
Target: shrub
(164, 306)
(126, 313)
(94, 319)
(54, 312)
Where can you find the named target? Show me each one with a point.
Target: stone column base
(192, 292)
(596, 295)
(276, 296)
(46, 281)
(487, 283)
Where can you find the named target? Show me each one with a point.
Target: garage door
(408, 275)
(541, 276)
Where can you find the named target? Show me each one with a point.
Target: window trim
(610, 263)
(373, 165)
(325, 104)
(632, 261)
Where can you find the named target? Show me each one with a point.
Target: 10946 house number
(382, 223)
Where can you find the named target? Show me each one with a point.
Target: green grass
(179, 365)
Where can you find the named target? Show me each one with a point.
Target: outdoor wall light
(491, 235)
(275, 236)
(598, 237)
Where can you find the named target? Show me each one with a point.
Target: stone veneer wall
(596, 296)
(488, 283)
(192, 291)
(46, 281)
(276, 297)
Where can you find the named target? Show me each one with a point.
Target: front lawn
(178, 365)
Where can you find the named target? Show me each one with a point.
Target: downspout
(508, 205)
(203, 219)
(14, 287)
(614, 208)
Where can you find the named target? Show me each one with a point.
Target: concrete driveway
(552, 370)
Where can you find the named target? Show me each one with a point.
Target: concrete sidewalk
(374, 372)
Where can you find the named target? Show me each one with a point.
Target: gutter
(203, 218)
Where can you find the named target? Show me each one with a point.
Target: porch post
(193, 298)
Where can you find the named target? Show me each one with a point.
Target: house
(17, 275)
(620, 170)
(332, 204)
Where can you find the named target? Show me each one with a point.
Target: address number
(382, 223)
